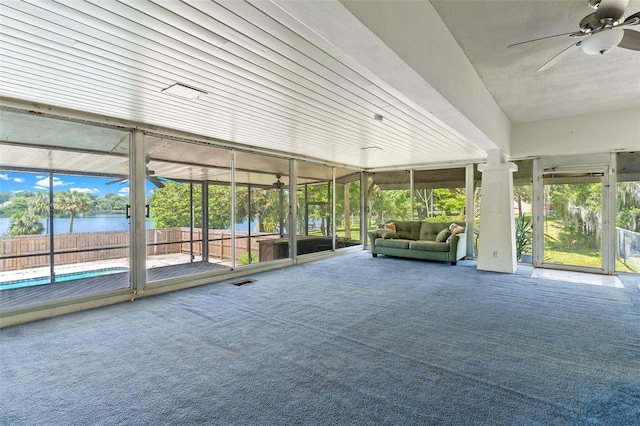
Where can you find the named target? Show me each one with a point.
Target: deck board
(20, 297)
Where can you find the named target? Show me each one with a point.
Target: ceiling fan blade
(611, 9)
(164, 179)
(632, 19)
(573, 34)
(557, 58)
(157, 182)
(122, 180)
(630, 40)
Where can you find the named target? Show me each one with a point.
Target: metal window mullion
(469, 208)
(291, 217)
(333, 208)
(205, 221)
(137, 194)
(538, 214)
(232, 159)
(411, 189)
(610, 182)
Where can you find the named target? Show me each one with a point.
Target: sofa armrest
(459, 246)
(372, 239)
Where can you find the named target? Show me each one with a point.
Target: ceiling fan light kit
(599, 43)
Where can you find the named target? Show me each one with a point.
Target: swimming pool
(30, 282)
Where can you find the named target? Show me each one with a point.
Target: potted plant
(523, 239)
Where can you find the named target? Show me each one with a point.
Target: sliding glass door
(189, 221)
(573, 218)
(65, 191)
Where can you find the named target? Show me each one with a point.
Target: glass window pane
(389, 196)
(628, 212)
(181, 175)
(348, 227)
(262, 206)
(71, 237)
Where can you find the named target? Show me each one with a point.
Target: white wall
(585, 134)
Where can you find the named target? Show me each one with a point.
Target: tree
(628, 206)
(347, 212)
(111, 203)
(39, 206)
(522, 194)
(25, 223)
(72, 203)
(579, 207)
(18, 204)
(171, 206)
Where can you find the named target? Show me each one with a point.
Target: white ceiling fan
(599, 31)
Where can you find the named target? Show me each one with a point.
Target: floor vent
(243, 282)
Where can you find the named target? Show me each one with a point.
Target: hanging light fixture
(602, 41)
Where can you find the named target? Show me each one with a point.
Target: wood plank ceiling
(268, 80)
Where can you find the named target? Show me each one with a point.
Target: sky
(16, 181)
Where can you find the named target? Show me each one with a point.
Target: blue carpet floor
(345, 340)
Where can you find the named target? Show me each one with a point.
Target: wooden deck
(25, 296)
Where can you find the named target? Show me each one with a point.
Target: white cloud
(44, 183)
(4, 176)
(124, 191)
(18, 180)
(85, 190)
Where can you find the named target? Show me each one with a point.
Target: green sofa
(420, 240)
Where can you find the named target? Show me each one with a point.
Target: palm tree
(72, 203)
(25, 223)
(39, 206)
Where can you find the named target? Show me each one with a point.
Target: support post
(469, 209)
(497, 229)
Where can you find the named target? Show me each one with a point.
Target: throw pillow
(382, 232)
(442, 236)
(390, 225)
(455, 231)
(389, 235)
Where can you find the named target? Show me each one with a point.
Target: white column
(138, 200)
(469, 207)
(497, 231)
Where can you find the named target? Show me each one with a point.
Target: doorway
(575, 213)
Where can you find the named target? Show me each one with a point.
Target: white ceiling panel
(270, 81)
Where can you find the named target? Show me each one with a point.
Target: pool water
(29, 282)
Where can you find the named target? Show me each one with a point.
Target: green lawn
(555, 253)
(355, 232)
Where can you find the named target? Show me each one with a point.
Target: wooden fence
(32, 251)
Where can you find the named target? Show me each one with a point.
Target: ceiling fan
(158, 181)
(599, 31)
(278, 184)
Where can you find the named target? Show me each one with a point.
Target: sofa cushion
(429, 246)
(442, 236)
(409, 230)
(392, 243)
(430, 230)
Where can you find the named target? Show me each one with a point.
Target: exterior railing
(32, 251)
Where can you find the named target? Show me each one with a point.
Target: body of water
(106, 222)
